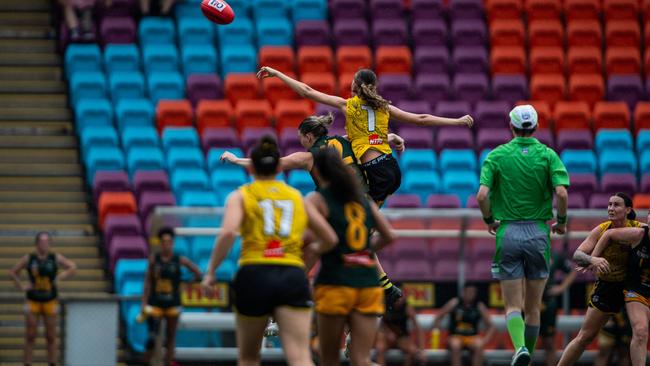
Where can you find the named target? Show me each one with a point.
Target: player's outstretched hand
(466, 120)
(267, 72)
(227, 156)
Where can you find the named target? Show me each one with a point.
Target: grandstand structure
(95, 136)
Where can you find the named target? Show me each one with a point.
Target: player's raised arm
(428, 120)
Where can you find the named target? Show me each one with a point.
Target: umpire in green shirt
(516, 199)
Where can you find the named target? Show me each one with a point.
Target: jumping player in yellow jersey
(271, 281)
(607, 296)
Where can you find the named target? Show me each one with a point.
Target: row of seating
(571, 9)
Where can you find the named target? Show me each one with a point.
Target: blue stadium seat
(643, 140)
(199, 199)
(241, 58)
(617, 161)
(134, 112)
(225, 182)
(302, 181)
(185, 158)
(482, 157)
(97, 136)
(126, 85)
(145, 158)
(184, 10)
(644, 162)
(195, 31)
(82, 57)
(103, 158)
(165, 85)
(241, 8)
(422, 182)
(93, 112)
(239, 32)
(160, 58)
(309, 10)
(214, 159)
(199, 59)
(156, 30)
(130, 288)
(129, 270)
(181, 247)
(203, 221)
(139, 136)
(613, 139)
(189, 180)
(463, 159)
(418, 159)
(462, 184)
(136, 333)
(267, 9)
(579, 161)
(121, 57)
(87, 85)
(274, 32)
(226, 271)
(198, 338)
(201, 247)
(180, 137)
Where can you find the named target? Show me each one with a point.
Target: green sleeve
(559, 175)
(488, 170)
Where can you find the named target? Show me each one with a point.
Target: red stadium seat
(345, 85)
(621, 9)
(275, 90)
(641, 200)
(321, 81)
(584, 33)
(550, 88)
(241, 86)
(547, 60)
(641, 116)
(543, 9)
(507, 33)
(611, 115)
(252, 113)
(622, 33)
(543, 112)
(289, 113)
(646, 34)
(548, 33)
(572, 115)
(176, 113)
(587, 88)
(315, 59)
(393, 59)
(646, 60)
(213, 113)
(582, 9)
(623, 60)
(115, 203)
(508, 60)
(645, 8)
(503, 9)
(278, 57)
(349, 59)
(585, 60)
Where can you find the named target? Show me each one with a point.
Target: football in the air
(217, 11)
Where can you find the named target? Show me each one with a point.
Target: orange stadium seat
(173, 113)
(393, 59)
(585, 60)
(275, 90)
(584, 33)
(543, 112)
(508, 60)
(641, 116)
(345, 85)
(622, 33)
(213, 113)
(289, 113)
(572, 115)
(645, 8)
(547, 60)
(611, 115)
(507, 32)
(241, 86)
(349, 59)
(115, 203)
(548, 33)
(551, 88)
(278, 57)
(503, 9)
(623, 60)
(621, 9)
(252, 113)
(321, 81)
(588, 88)
(581, 9)
(315, 59)
(543, 9)
(641, 200)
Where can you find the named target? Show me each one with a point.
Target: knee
(454, 345)
(640, 332)
(50, 338)
(30, 336)
(585, 337)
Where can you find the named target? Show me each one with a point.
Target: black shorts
(548, 318)
(259, 289)
(607, 296)
(384, 177)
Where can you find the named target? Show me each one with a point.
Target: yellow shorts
(157, 312)
(465, 341)
(631, 296)
(47, 308)
(343, 300)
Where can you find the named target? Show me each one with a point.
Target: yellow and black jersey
(617, 254)
(367, 128)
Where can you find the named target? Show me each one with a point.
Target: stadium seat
(276, 90)
(393, 59)
(93, 112)
(489, 138)
(199, 199)
(350, 32)
(471, 87)
(214, 159)
(621, 9)
(461, 183)
(225, 182)
(579, 161)
(145, 158)
(203, 86)
(160, 58)
(510, 88)
(126, 85)
(550, 88)
(389, 32)
(431, 60)
(179, 137)
(548, 32)
(623, 60)
(82, 57)
(176, 113)
(123, 225)
(453, 138)
(238, 58)
(544, 134)
(131, 246)
(213, 113)
(133, 136)
(308, 10)
(239, 32)
(121, 57)
(470, 60)
(587, 88)
(574, 139)
(443, 201)
(492, 113)
(617, 161)
(134, 112)
(349, 59)
(150, 199)
(432, 87)
(508, 60)
(547, 60)
(195, 31)
(467, 32)
(457, 160)
(430, 33)
(115, 203)
(395, 87)
(117, 29)
(585, 60)
(582, 9)
(220, 137)
(627, 88)
(312, 33)
(274, 32)
(618, 182)
(611, 115)
(165, 85)
(156, 30)
(87, 85)
(452, 108)
(642, 141)
(102, 158)
(622, 33)
(185, 158)
(543, 9)
(421, 182)
(572, 115)
(129, 270)
(290, 113)
(614, 139)
(644, 162)
(507, 32)
(642, 116)
(302, 181)
(466, 9)
(252, 113)
(315, 59)
(386, 9)
(241, 86)
(199, 59)
(584, 184)
(110, 181)
(422, 159)
(641, 201)
(323, 82)
(183, 180)
(426, 9)
(403, 201)
(269, 8)
(280, 58)
(584, 33)
(98, 136)
(503, 9)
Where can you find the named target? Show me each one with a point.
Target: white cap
(523, 117)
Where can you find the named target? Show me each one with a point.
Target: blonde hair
(316, 125)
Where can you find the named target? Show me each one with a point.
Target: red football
(217, 11)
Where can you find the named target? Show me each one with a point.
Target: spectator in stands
(80, 29)
(271, 281)
(395, 332)
(614, 341)
(42, 293)
(161, 297)
(516, 199)
(465, 315)
(161, 7)
(550, 304)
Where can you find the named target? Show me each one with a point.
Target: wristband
(561, 219)
(489, 220)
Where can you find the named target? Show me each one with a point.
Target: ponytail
(316, 125)
(342, 183)
(266, 156)
(365, 82)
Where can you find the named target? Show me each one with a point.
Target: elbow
(481, 196)
(73, 269)
(390, 237)
(562, 193)
(228, 234)
(330, 241)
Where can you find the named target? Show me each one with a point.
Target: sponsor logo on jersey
(274, 249)
(358, 259)
(374, 140)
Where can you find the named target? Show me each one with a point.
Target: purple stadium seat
(203, 86)
(116, 8)
(445, 271)
(386, 9)
(583, 185)
(64, 36)
(150, 180)
(150, 199)
(289, 140)
(413, 106)
(470, 87)
(432, 87)
(454, 138)
(417, 137)
(470, 59)
(313, 33)
(577, 201)
(466, 9)
(429, 32)
(395, 87)
(479, 270)
(574, 139)
(612, 183)
(479, 248)
(110, 181)
(126, 247)
(411, 248)
(427, 9)
(351, 32)
(412, 269)
(121, 225)
(545, 136)
(472, 202)
(219, 137)
(627, 88)
(117, 30)
(347, 9)
(452, 109)
(599, 200)
(250, 136)
(511, 88)
(491, 114)
(645, 184)
(389, 32)
(443, 201)
(468, 32)
(489, 138)
(403, 201)
(431, 60)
